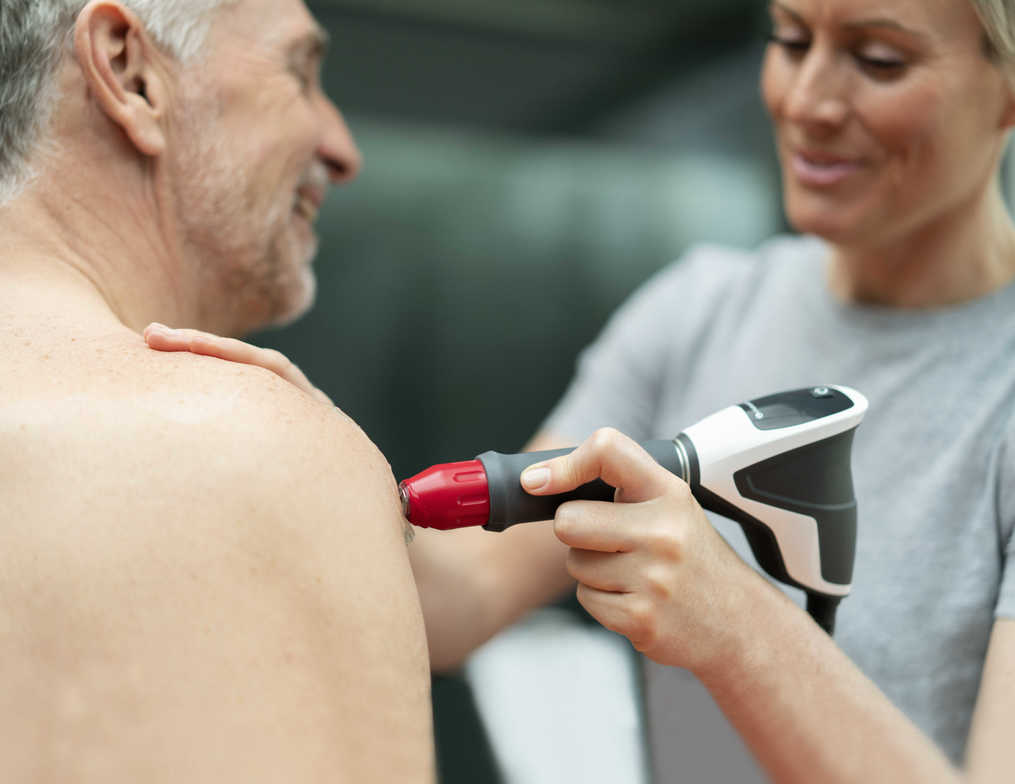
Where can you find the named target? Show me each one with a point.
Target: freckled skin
(185, 569)
(203, 575)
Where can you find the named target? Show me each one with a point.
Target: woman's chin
(835, 226)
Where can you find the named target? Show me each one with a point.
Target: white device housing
(728, 441)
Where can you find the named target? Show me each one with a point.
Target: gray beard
(246, 265)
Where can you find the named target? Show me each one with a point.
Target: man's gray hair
(35, 35)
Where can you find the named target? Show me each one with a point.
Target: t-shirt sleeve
(620, 376)
(1006, 520)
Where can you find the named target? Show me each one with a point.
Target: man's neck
(955, 259)
(117, 257)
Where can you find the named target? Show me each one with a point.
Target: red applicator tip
(447, 496)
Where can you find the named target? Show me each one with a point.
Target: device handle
(510, 504)
(814, 480)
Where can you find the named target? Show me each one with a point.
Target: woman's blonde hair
(998, 20)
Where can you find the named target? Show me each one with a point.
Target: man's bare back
(203, 571)
(203, 574)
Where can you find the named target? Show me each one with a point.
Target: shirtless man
(203, 574)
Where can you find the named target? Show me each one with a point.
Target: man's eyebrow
(876, 22)
(312, 45)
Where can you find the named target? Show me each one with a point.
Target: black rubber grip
(510, 504)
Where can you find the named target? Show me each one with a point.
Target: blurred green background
(528, 164)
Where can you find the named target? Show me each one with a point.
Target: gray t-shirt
(933, 461)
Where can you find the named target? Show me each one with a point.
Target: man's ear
(119, 62)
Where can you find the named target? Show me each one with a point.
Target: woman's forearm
(474, 583)
(809, 714)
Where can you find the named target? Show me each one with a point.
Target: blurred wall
(523, 175)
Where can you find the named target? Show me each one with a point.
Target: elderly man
(203, 574)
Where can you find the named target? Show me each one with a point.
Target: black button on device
(786, 409)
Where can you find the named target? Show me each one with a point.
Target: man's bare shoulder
(211, 556)
(252, 413)
(125, 439)
(185, 426)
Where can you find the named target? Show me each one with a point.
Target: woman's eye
(883, 62)
(876, 62)
(884, 67)
(793, 44)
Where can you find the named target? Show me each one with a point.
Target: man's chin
(301, 301)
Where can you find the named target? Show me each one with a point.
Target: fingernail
(535, 478)
(156, 327)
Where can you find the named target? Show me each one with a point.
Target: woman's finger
(625, 613)
(594, 525)
(611, 572)
(608, 455)
(195, 341)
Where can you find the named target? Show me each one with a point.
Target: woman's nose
(817, 94)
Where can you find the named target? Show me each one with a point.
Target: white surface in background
(559, 701)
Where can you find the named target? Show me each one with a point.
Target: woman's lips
(821, 170)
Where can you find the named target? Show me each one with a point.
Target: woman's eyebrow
(873, 22)
(786, 10)
(885, 24)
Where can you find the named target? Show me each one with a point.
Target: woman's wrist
(761, 619)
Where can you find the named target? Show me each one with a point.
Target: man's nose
(337, 148)
(817, 96)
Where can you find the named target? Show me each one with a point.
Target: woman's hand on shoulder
(650, 566)
(163, 338)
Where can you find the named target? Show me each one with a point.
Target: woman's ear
(1006, 71)
(118, 60)
(1008, 118)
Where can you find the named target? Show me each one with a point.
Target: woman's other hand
(163, 338)
(650, 566)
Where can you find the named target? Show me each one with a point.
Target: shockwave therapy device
(778, 465)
